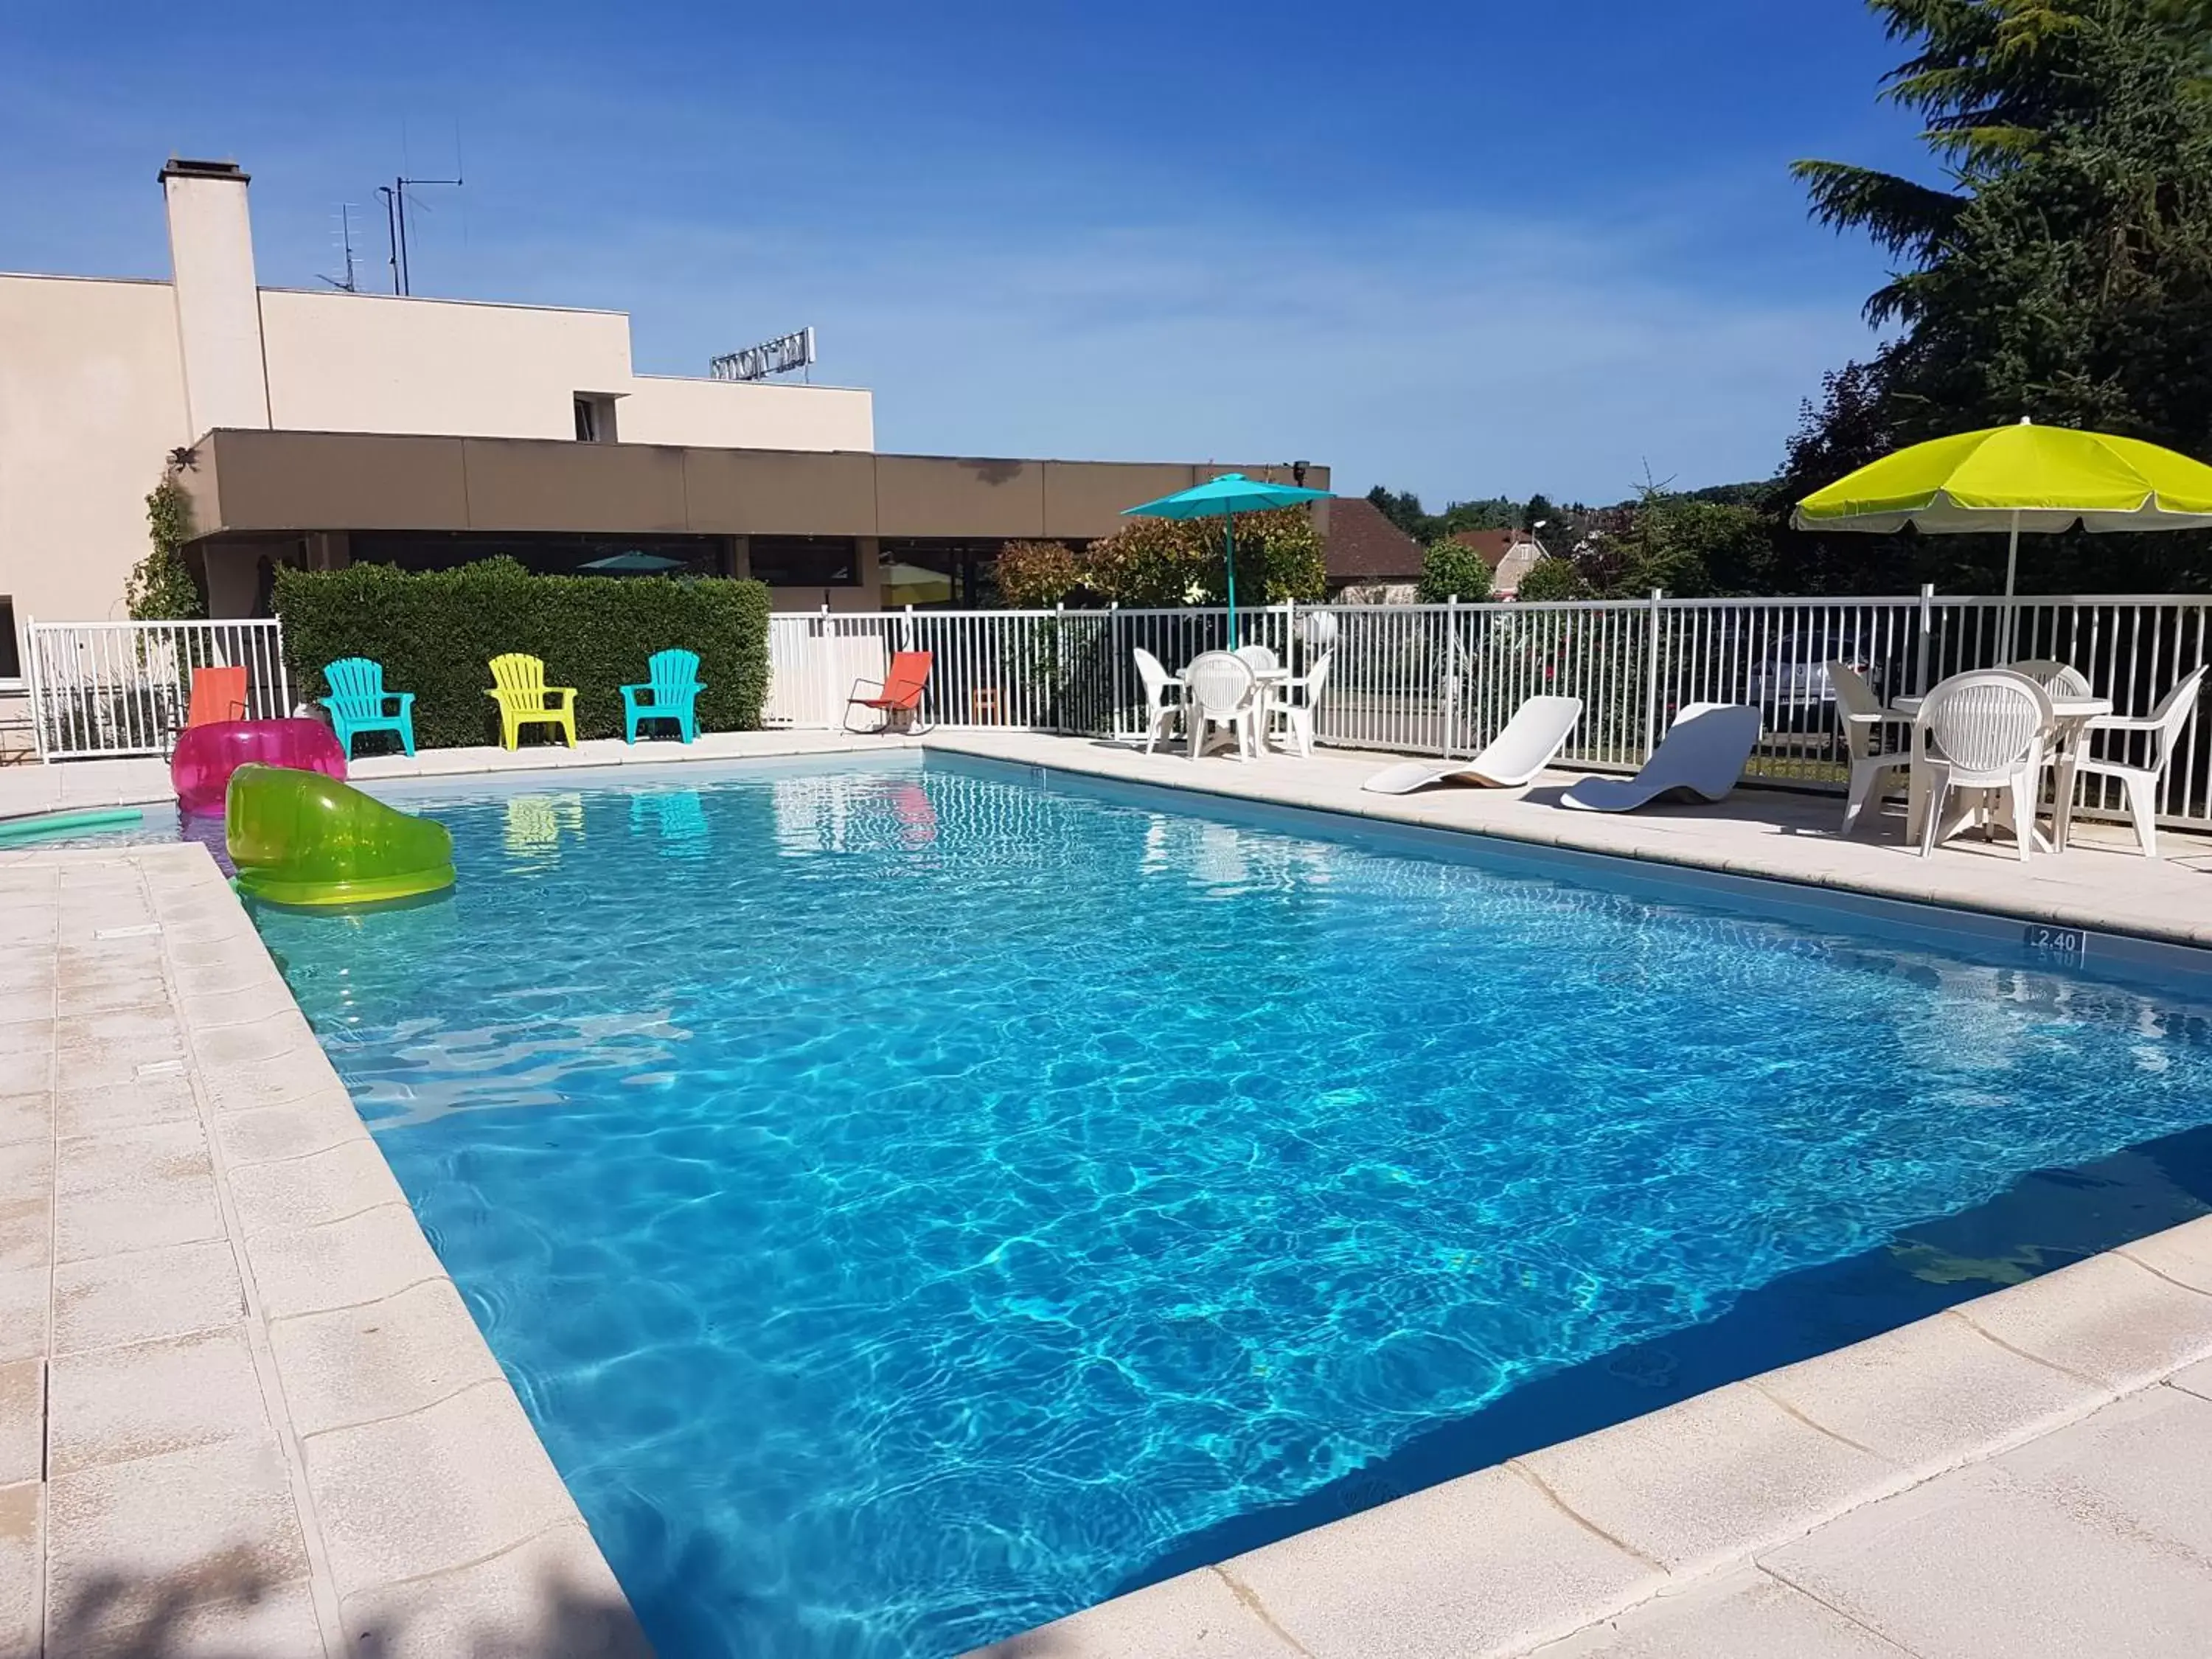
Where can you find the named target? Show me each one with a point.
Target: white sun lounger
(1536, 732)
(1703, 754)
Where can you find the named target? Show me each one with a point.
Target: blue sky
(1464, 249)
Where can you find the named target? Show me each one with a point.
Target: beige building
(316, 428)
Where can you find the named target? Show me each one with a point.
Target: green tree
(1552, 579)
(1402, 508)
(1450, 570)
(160, 587)
(2065, 274)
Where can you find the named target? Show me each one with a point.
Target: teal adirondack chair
(358, 702)
(670, 694)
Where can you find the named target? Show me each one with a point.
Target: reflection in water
(677, 817)
(535, 823)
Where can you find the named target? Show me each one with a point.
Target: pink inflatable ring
(207, 755)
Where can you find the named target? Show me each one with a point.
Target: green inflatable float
(301, 838)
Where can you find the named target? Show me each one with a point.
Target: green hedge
(435, 632)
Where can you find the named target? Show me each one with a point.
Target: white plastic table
(2070, 721)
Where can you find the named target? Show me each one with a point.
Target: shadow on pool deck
(118, 1615)
(2045, 1220)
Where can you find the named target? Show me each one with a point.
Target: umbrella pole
(1229, 534)
(2012, 574)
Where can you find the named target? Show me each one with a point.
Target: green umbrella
(1229, 494)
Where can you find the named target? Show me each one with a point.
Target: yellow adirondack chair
(518, 687)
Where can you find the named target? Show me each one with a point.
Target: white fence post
(1452, 687)
(1926, 633)
(1651, 677)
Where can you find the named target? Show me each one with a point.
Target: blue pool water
(915, 1204)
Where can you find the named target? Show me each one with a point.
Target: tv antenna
(349, 284)
(395, 216)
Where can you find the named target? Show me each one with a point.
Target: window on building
(547, 554)
(595, 418)
(805, 560)
(11, 662)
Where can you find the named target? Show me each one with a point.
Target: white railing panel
(115, 689)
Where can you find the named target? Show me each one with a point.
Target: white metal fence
(1442, 680)
(125, 688)
(1435, 679)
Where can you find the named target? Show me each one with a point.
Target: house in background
(1370, 560)
(1511, 554)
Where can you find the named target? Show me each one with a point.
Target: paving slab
(22, 1420)
(388, 1357)
(110, 1404)
(1976, 1566)
(1703, 1484)
(551, 1595)
(432, 1490)
(1483, 1565)
(24, 1293)
(343, 1264)
(1741, 1615)
(134, 1190)
(110, 1301)
(2108, 1319)
(1196, 1616)
(312, 1191)
(1932, 1395)
(159, 1535)
(22, 1567)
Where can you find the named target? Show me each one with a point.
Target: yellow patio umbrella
(913, 584)
(2013, 478)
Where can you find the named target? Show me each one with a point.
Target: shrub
(160, 587)
(1161, 562)
(435, 632)
(1552, 579)
(1033, 575)
(1449, 569)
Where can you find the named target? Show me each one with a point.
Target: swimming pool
(914, 1203)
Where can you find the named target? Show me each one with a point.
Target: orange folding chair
(218, 694)
(898, 700)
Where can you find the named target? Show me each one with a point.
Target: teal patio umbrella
(1229, 494)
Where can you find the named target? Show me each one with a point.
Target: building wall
(92, 400)
(359, 363)
(661, 409)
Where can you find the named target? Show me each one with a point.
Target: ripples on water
(914, 1205)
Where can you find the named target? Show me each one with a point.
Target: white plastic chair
(1987, 731)
(2163, 725)
(1220, 692)
(1703, 754)
(1538, 731)
(1261, 656)
(1866, 726)
(2055, 678)
(1298, 700)
(1163, 697)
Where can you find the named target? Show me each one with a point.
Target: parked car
(1790, 682)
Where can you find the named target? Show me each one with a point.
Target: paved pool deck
(243, 1410)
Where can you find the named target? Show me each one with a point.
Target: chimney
(218, 303)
